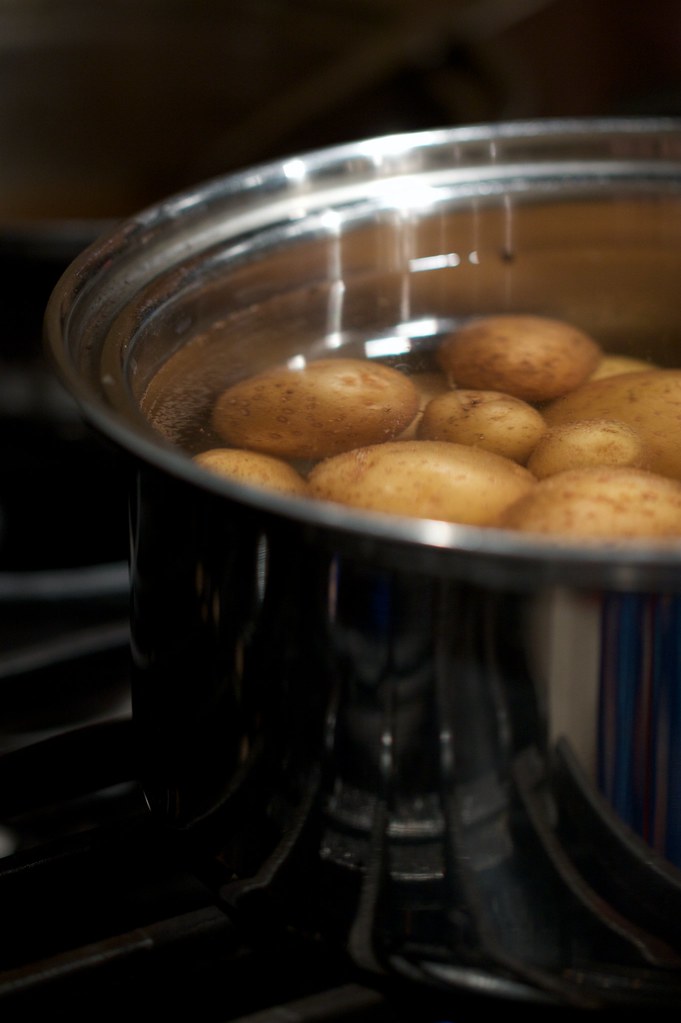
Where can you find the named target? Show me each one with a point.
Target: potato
(531, 357)
(253, 468)
(599, 503)
(648, 402)
(326, 407)
(613, 365)
(484, 419)
(587, 442)
(428, 386)
(428, 479)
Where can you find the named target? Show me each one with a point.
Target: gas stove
(100, 905)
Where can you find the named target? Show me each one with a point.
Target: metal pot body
(462, 745)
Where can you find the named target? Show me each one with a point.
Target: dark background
(106, 107)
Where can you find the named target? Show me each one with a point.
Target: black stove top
(99, 906)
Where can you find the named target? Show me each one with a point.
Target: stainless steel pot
(431, 730)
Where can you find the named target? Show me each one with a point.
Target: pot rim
(622, 564)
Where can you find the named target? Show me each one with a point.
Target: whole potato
(428, 385)
(599, 503)
(648, 402)
(484, 419)
(531, 357)
(426, 479)
(253, 468)
(584, 443)
(328, 406)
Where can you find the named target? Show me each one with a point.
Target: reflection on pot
(609, 666)
(639, 732)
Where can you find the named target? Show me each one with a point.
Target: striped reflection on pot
(639, 740)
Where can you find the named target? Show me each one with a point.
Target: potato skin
(530, 357)
(253, 468)
(648, 402)
(599, 503)
(586, 443)
(426, 479)
(326, 407)
(488, 420)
